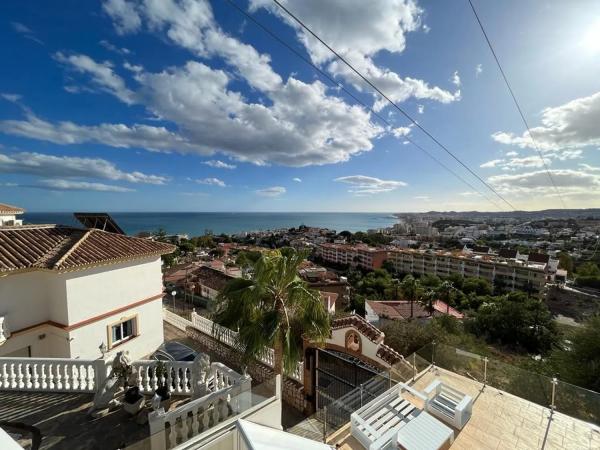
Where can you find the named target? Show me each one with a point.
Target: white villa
(78, 293)
(8, 215)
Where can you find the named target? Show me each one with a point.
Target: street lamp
(173, 295)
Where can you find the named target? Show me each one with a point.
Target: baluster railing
(47, 374)
(230, 338)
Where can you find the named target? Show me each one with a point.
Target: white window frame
(119, 323)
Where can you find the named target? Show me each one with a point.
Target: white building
(73, 293)
(8, 215)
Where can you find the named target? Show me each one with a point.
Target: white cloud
(68, 185)
(113, 135)
(420, 109)
(478, 70)
(67, 167)
(456, 79)
(273, 191)
(124, 15)
(492, 163)
(219, 164)
(426, 28)
(425, 198)
(134, 68)
(212, 182)
(359, 30)
(26, 32)
(297, 180)
(574, 125)
(589, 168)
(13, 98)
(570, 182)
(362, 184)
(299, 124)
(512, 153)
(400, 131)
(113, 48)
(102, 75)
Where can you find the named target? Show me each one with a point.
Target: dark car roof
(176, 350)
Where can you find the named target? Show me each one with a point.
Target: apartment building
(360, 255)
(513, 273)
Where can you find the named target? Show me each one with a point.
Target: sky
(188, 105)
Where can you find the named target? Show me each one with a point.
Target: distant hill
(592, 213)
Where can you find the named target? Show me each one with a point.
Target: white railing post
(100, 373)
(485, 363)
(554, 383)
(156, 421)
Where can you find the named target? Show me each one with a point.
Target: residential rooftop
(57, 247)
(499, 421)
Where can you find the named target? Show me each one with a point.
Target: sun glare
(591, 39)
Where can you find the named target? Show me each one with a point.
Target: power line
(404, 113)
(342, 87)
(514, 97)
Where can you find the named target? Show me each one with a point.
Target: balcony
(508, 407)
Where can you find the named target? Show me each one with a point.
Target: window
(122, 331)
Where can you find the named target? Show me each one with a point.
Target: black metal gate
(344, 383)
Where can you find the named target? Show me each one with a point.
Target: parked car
(174, 351)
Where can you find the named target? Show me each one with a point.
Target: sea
(198, 223)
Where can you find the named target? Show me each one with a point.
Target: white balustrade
(176, 320)
(51, 374)
(232, 396)
(178, 376)
(230, 338)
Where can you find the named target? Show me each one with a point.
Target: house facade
(75, 293)
(9, 214)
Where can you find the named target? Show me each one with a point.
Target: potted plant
(133, 401)
(162, 396)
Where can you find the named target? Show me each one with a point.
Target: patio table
(424, 432)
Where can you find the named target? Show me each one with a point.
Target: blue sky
(168, 105)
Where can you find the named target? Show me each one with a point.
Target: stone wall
(292, 391)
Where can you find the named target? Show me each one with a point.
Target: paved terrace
(64, 423)
(501, 421)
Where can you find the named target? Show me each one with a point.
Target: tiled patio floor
(503, 421)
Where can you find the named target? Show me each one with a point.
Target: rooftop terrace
(500, 420)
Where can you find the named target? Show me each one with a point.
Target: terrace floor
(502, 421)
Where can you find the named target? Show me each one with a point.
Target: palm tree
(412, 290)
(274, 308)
(427, 300)
(444, 292)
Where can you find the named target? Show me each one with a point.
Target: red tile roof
(56, 247)
(397, 309)
(443, 308)
(9, 209)
(400, 309)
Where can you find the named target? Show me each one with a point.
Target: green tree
(565, 261)
(518, 321)
(446, 293)
(580, 363)
(274, 308)
(412, 291)
(588, 269)
(477, 286)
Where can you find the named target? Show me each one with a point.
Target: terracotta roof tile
(360, 323)
(9, 209)
(56, 247)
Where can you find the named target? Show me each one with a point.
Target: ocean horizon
(197, 223)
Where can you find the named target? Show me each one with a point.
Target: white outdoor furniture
(424, 432)
(448, 404)
(376, 424)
